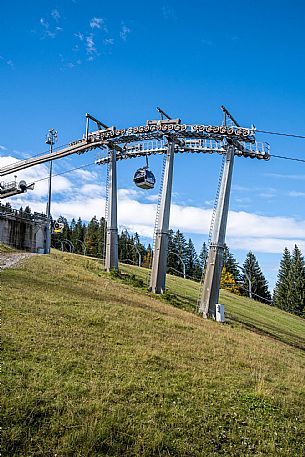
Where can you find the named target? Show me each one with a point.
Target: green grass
(254, 315)
(4, 248)
(96, 366)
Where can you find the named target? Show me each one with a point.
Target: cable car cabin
(144, 178)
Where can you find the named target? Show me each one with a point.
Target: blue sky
(118, 61)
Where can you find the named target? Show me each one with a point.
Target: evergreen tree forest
(289, 292)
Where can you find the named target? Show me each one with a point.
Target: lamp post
(70, 244)
(83, 245)
(139, 254)
(181, 261)
(248, 279)
(51, 138)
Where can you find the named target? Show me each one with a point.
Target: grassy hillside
(95, 366)
(254, 315)
(4, 248)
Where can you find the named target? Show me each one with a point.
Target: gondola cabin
(144, 178)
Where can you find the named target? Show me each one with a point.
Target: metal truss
(152, 138)
(258, 150)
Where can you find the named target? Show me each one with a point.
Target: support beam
(48, 211)
(111, 260)
(211, 285)
(159, 265)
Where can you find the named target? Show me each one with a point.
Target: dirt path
(10, 259)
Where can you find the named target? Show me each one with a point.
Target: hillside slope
(95, 366)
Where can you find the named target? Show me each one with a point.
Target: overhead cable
(67, 171)
(287, 158)
(281, 134)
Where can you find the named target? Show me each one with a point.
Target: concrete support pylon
(210, 292)
(159, 264)
(111, 259)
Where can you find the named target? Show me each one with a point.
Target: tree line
(183, 260)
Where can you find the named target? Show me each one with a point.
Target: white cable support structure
(167, 137)
(150, 139)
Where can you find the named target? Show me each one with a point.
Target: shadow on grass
(269, 333)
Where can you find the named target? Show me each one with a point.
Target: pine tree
(176, 253)
(72, 236)
(91, 237)
(192, 261)
(203, 256)
(203, 259)
(230, 263)
(259, 284)
(101, 238)
(282, 292)
(124, 247)
(180, 244)
(297, 281)
(172, 259)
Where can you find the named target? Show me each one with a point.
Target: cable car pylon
(210, 292)
(159, 263)
(112, 257)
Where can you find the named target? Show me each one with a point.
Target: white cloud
(90, 45)
(46, 27)
(85, 175)
(2, 148)
(98, 23)
(79, 35)
(109, 41)
(296, 194)
(268, 194)
(146, 231)
(92, 190)
(125, 31)
(285, 176)
(124, 194)
(152, 198)
(76, 207)
(269, 245)
(47, 31)
(241, 223)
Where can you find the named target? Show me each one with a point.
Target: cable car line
(67, 171)
(93, 163)
(282, 134)
(288, 158)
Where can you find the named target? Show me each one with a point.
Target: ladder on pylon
(106, 212)
(157, 218)
(211, 230)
